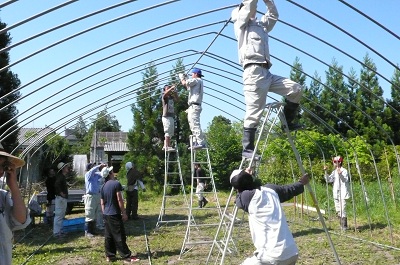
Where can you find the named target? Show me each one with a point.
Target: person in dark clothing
(61, 192)
(268, 226)
(51, 194)
(200, 175)
(112, 205)
(134, 177)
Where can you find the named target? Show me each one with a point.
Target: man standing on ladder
(196, 88)
(168, 97)
(252, 38)
(268, 226)
(200, 175)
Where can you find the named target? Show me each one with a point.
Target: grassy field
(367, 243)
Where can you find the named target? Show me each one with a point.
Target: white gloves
(181, 76)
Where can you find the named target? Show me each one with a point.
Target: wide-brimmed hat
(61, 165)
(16, 161)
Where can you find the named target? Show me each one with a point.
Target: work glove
(181, 76)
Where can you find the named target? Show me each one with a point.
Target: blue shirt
(92, 180)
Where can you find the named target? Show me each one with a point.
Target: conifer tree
(9, 82)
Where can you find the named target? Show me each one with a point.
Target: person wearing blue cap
(252, 39)
(92, 197)
(196, 88)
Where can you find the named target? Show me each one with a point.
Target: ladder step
(199, 242)
(172, 221)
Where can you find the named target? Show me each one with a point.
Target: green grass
(358, 245)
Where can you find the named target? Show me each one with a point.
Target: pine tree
(310, 101)
(334, 98)
(369, 100)
(146, 137)
(8, 83)
(393, 117)
(297, 75)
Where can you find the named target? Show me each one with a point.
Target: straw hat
(16, 161)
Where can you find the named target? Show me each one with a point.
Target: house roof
(29, 136)
(111, 141)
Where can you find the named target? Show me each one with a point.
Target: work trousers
(92, 207)
(115, 237)
(200, 191)
(59, 214)
(340, 207)
(258, 81)
(132, 203)
(194, 123)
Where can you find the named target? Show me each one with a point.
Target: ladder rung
(173, 221)
(198, 242)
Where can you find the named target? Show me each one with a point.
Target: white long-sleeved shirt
(341, 185)
(195, 87)
(252, 34)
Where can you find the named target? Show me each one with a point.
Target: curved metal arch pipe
(98, 72)
(345, 75)
(352, 104)
(356, 159)
(339, 50)
(123, 40)
(121, 97)
(7, 3)
(82, 32)
(56, 27)
(345, 32)
(371, 19)
(87, 91)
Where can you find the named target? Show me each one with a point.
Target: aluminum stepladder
(223, 240)
(177, 206)
(223, 245)
(202, 222)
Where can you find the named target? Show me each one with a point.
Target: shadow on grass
(309, 231)
(374, 226)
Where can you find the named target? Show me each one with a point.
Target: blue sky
(149, 41)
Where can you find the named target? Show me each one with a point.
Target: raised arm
(287, 192)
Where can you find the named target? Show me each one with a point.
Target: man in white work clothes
(195, 87)
(252, 39)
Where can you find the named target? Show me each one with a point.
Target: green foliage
(225, 150)
(55, 150)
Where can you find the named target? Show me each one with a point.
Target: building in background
(109, 147)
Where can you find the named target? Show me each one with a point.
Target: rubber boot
(290, 112)
(249, 135)
(204, 201)
(200, 204)
(343, 223)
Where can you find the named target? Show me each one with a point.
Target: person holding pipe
(269, 230)
(253, 49)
